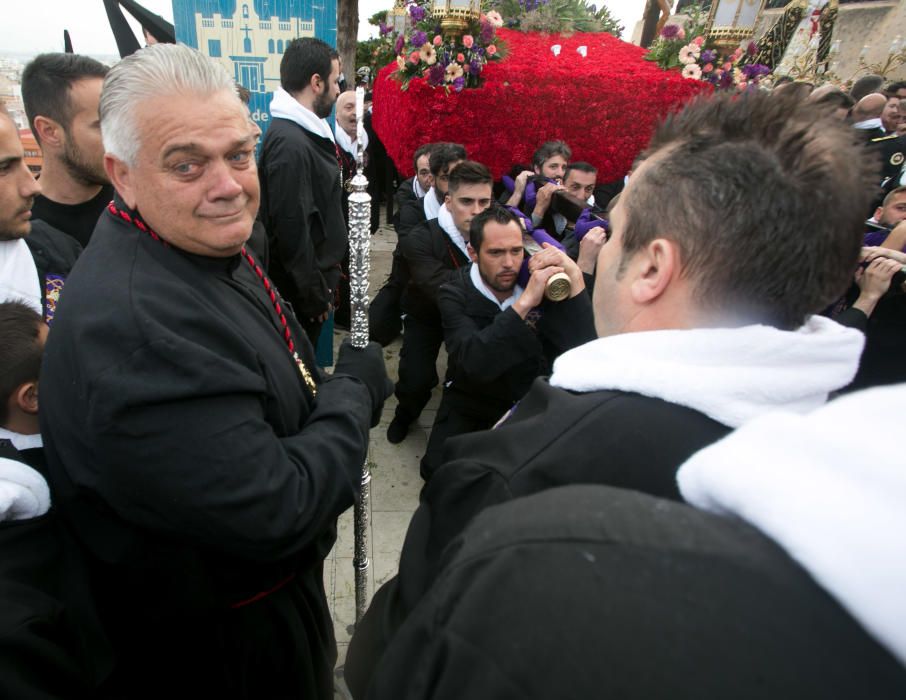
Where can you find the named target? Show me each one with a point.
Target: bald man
(867, 114)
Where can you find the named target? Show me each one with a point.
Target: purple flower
(726, 81)
(708, 56)
(475, 66)
(418, 38)
(752, 49)
(417, 13)
(436, 74)
(486, 36)
(400, 43)
(384, 29)
(753, 71)
(459, 83)
(670, 31)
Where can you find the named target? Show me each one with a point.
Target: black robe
(553, 438)
(192, 463)
(596, 592)
(302, 211)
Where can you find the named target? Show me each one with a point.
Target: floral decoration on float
(591, 90)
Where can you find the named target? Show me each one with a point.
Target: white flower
(556, 49)
(494, 18)
(689, 53)
(692, 70)
(582, 51)
(428, 54)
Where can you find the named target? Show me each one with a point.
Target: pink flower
(460, 58)
(414, 57)
(681, 33)
(491, 50)
(699, 40)
(707, 68)
(468, 41)
(495, 19)
(727, 65)
(437, 40)
(742, 85)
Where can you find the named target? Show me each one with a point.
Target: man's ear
(472, 254)
(877, 215)
(315, 83)
(48, 132)
(447, 198)
(120, 176)
(26, 396)
(654, 268)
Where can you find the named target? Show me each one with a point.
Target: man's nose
(225, 184)
(29, 187)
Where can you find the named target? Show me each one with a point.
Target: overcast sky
(32, 26)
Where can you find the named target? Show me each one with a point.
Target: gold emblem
(306, 375)
(896, 159)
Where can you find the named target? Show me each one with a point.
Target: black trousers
(384, 313)
(418, 366)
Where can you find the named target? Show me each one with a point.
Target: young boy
(37, 645)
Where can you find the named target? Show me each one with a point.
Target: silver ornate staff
(359, 268)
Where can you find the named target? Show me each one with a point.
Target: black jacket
(554, 438)
(596, 592)
(411, 214)
(402, 197)
(432, 259)
(302, 211)
(193, 465)
(54, 254)
(493, 356)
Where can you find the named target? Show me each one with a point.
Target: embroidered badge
(896, 159)
(53, 285)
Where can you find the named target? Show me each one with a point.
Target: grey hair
(159, 69)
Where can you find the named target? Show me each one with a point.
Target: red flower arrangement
(604, 105)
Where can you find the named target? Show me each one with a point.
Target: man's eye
(241, 157)
(185, 168)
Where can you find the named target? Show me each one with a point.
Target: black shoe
(397, 430)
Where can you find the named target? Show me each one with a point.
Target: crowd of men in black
(195, 487)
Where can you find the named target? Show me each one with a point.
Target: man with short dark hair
(549, 162)
(499, 336)
(433, 251)
(35, 258)
(301, 196)
(61, 93)
(704, 307)
(890, 230)
(417, 186)
(441, 160)
(384, 312)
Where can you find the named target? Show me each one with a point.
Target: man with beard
(890, 229)
(61, 93)
(195, 450)
(499, 336)
(35, 258)
(705, 308)
(433, 252)
(301, 194)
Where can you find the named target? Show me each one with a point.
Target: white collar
(18, 274)
(445, 221)
(869, 124)
(729, 374)
(430, 204)
(475, 276)
(346, 143)
(828, 493)
(285, 106)
(20, 441)
(417, 188)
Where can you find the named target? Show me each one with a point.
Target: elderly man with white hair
(196, 452)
